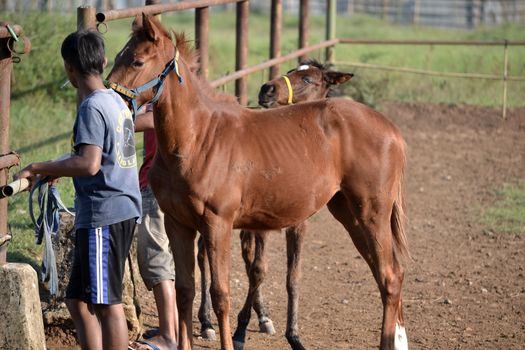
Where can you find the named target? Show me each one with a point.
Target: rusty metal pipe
(201, 36)
(241, 50)
(430, 42)
(161, 8)
(275, 35)
(9, 160)
(303, 26)
(6, 65)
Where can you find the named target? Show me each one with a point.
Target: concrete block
(21, 325)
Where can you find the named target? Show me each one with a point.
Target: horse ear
(336, 78)
(149, 27)
(137, 23)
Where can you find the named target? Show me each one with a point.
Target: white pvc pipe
(15, 187)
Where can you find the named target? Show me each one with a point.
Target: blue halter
(157, 84)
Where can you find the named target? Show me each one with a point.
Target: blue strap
(47, 225)
(156, 83)
(150, 344)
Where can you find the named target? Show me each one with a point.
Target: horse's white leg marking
(400, 340)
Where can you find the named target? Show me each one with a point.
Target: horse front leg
(182, 242)
(217, 237)
(207, 331)
(294, 244)
(253, 245)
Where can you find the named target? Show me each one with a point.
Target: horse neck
(177, 115)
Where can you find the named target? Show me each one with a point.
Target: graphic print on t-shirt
(125, 140)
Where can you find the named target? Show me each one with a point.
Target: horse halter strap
(156, 84)
(290, 90)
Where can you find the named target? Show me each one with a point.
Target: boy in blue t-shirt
(108, 200)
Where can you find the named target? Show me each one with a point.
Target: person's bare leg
(88, 329)
(113, 325)
(165, 299)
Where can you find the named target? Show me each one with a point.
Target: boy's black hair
(84, 50)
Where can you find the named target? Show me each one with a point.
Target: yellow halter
(290, 90)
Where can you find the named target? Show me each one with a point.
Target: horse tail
(398, 217)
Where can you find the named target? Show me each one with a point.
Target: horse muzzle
(267, 95)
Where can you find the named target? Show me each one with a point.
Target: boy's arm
(85, 163)
(144, 121)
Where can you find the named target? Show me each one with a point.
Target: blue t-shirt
(113, 194)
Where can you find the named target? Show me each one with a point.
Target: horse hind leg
(253, 246)
(371, 231)
(207, 330)
(250, 245)
(294, 244)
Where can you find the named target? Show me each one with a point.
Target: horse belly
(283, 205)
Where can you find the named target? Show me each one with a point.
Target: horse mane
(188, 53)
(191, 58)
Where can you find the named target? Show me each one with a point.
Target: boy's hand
(27, 173)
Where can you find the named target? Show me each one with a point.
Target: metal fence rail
(503, 77)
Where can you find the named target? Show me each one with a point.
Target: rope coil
(47, 225)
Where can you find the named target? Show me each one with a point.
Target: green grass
(507, 215)
(42, 114)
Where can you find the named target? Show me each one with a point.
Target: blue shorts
(99, 261)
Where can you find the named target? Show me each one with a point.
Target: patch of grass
(508, 212)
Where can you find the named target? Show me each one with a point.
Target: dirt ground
(464, 288)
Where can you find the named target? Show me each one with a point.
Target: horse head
(146, 60)
(310, 81)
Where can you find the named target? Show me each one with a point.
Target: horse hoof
(400, 340)
(209, 334)
(267, 327)
(237, 345)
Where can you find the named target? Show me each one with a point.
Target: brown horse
(221, 166)
(311, 80)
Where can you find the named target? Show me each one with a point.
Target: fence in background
(504, 77)
(242, 70)
(86, 18)
(441, 13)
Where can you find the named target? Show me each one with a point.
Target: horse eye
(307, 79)
(137, 64)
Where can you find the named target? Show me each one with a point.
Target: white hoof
(267, 327)
(209, 334)
(400, 340)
